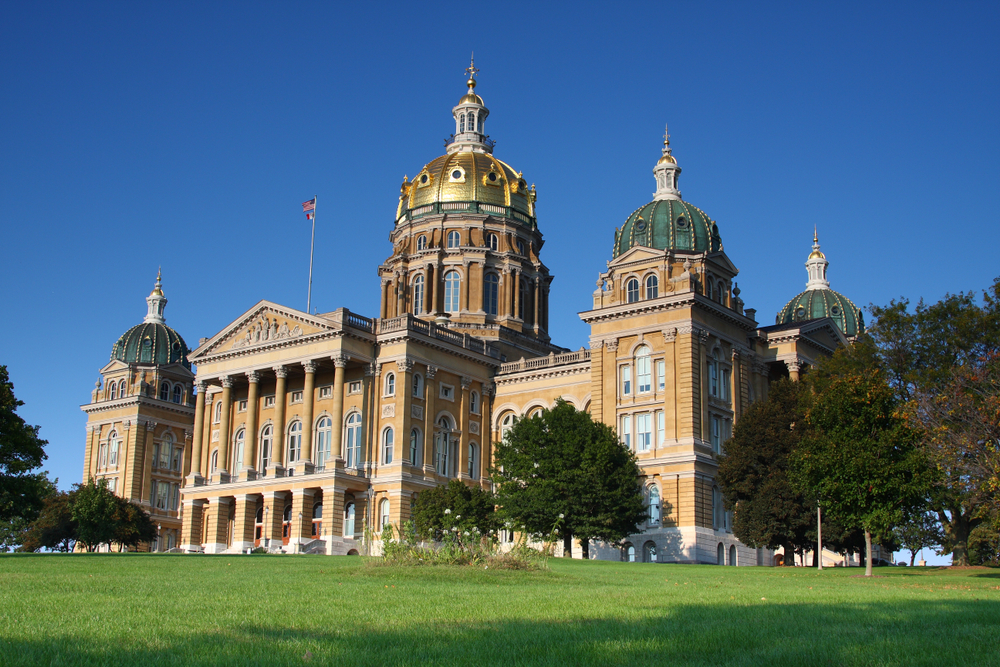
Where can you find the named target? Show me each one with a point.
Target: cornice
(137, 402)
(517, 377)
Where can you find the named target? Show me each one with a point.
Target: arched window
(480, 124)
(421, 242)
(732, 554)
(452, 282)
(387, 443)
(165, 391)
(649, 552)
(629, 553)
(237, 457)
(177, 393)
(722, 293)
(652, 287)
(632, 290)
(324, 435)
(643, 369)
(266, 437)
(112, 391)
(214, 464)
(654, 505)
(520, 247)
(461, 122)
(442, 447)
(418, 384)
(491, 293)
(121, 388)
(474, 402)
(492, 242)
(390, 384)
(416, 445)
(114, 445)
(218, 412)
(506, 424)
(720, 555)
(522, 298)
(418, 295)
(294, 442)
(473, 461)
(353, 459)
(713, 374)
(454, 240)
(317, 520)
(165, 450)
(383, 513)
(349, 520)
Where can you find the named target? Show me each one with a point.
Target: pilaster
(216, 541)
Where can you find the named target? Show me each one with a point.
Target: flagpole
(312, 245)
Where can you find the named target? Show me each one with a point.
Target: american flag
(309, 205)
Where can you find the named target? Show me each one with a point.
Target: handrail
(545, 362)
(508, 212)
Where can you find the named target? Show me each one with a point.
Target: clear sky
(134, 135)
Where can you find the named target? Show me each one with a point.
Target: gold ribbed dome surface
(816, 254)
(469, 176)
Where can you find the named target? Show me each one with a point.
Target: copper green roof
(668, 224)
(151, 343)
(816, 303)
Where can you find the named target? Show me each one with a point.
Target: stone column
(402, 421)
(199, 431)
(333, 512)
(250, 437)
(793, 369)
(206, 437)
(702, 357)
(302, 509)
(430, 386)
(218, 525)
(515, 284)
(464, 306)
(428, 304)
(437, 290)
(385, 298)
(340, 363)
(274, 509)
(463, 430)
(243, 526)
(538, 299)
(400, 282)
(308, 405)
(192, 516)
(276, 468)
(224, 434)
(486, 431)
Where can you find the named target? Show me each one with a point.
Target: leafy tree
(132, 526)
(941, 360)
(859, 456)
(984, 542)
(54, 528)
(455, 504)
(96, 511)
(22, 491)
(920, 532)
(561, 471)
(769, 510)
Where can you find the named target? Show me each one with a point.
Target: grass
(123, 609)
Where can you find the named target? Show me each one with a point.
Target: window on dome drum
(452, 283)
(241, 406)
(626, 431)
(654, 505)
(491, 293)
(324, 434)
(418, 384)
(522, 298)
(353, 449)
(269, 401)
(177, 393)
(708, 288)
(421, 242)
(165, 391)
(294, 442)
(493, 242)
(416, 445)
(326, 392)
(626, 380)
(237, 455)
(480, 125)
(474, 461)
(632, 290)
(387, 444)
(454, 239)
(520, 247)
(644, 432)
(296, 397)
(418, 295)
(643, 369)
(474, 403)
(652, 287)
(266, 436)
(383, 513)
(390, 384)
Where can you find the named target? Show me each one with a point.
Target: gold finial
(157, 287)
(815, 235)
(666, 135)
(472, 71)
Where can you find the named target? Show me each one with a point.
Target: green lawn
(138, 609)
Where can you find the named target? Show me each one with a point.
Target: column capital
(431, 371)
(404, 365)
(208, 398)
(309, 366)
(596, 344)
(339, 360)
(200, 385)
(280, 371)
(253, 377)
(227, 381)
(150, 425)
(187, 435)
(736, 355)
(612, 345)
(703, 336)
(490, 388)
(466, 382)
(793, 365)
(669, 335)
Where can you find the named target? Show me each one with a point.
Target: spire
(156, 302)
(470, 119)
(666, 172)
(816, 266)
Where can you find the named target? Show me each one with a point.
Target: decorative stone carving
(215, 435)
(612, 345)
(200, 385)
(265, 330)
(431, 371)
(474, 428)
(417, 411)
(388, 410)
(596, 344)
(404, 365)
(703, 336)
(150, 425)
(253, 377)
(280, 371)
(466, 383)
(309, 366)
(669, 335)
(490, 389)
(339, 360)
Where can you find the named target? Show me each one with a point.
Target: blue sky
(186, 135)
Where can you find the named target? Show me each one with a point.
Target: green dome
(668, 224)
(816, 303)
(151, 343)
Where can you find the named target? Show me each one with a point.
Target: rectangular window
(325, 392)
(114, 454)
(102, 456)
(242, 406)
(713, 377)
(156, 455)
(296, 397)
(269, 401)
(162, 495)
(626, 380)
(176, 500)
(626, 432)
(661, 432)
(661, 374)
(447, 392)
(726, 374)
(716, 434)
(643, 432)
(175, 464)
(354, 387)
(165, 457)
(642, 374)
(112, 484)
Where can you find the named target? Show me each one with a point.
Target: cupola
(470, 119)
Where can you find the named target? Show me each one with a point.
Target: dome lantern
(156, 302)
(470, 119)
(816, 266)
(666, 172)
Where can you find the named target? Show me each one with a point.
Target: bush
(456, 547)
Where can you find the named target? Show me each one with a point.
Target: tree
(859, 456)
(561, 471)
(467, 507)
(54, 528)
(920, 532)
(769, 510)
(94, 510)
(21, 452)
(132, 526)
(939, 359)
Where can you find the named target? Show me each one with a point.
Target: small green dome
(815, 303)
(668, 224)
(151, 343)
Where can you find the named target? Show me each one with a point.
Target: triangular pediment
(266, 323)
(637, 254)
(114, 365)
(824, 331)
(722, 259)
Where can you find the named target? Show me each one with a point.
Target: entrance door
(258, 527)
(286, 525)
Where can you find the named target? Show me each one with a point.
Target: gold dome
(468, 176)
(667, 159)
(816, 254)
(157, 288)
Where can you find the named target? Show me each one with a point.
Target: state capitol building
(305, 433)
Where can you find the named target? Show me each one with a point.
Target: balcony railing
(508, 212)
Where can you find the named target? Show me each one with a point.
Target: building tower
(466, 243)
(140, 419)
